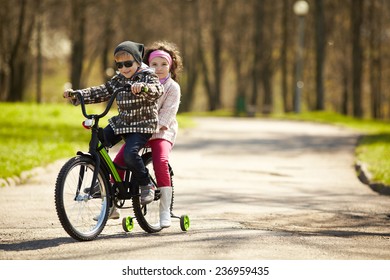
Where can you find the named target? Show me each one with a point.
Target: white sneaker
(147, 193)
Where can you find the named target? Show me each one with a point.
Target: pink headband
(160, 53)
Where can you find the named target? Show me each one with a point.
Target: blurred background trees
(238, 54)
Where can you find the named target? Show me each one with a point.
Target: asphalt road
(253, 189)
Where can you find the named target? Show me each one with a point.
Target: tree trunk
(345, 91)
(213, 83)
(19, 58)
(108, 34)
(320, 53)
(267, 67)
(217, 49)
(78, 34)
(39, 51)
(357, 56)
(287, 106)
(267, 107)
(203, 63)
(16, 69)
(375, 24)
(256, 65)
(189, 54)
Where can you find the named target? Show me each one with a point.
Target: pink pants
(160, 156)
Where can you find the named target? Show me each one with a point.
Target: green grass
(34, 135)
(374, 150)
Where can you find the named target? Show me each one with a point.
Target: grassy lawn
(34, 135)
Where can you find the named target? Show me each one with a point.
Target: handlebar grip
(72, 94)
(76, 94)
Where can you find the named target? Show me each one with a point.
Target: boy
(138, 117)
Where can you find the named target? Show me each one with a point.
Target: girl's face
(126, 65)
(161, 66)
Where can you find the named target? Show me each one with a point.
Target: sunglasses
(127, 64)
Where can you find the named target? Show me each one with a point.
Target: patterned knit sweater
(168, 105)
(137, 113)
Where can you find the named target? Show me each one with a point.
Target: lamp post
(301, 8)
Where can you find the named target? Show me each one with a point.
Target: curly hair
(171, 48)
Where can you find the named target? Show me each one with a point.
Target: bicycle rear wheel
(83, 214)
(148, 216)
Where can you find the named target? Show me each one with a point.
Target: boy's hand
(69, 93)
(137, 88)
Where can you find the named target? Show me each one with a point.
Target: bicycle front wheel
(82, 213)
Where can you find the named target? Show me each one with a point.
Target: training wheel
(127, 224)
(184, 222)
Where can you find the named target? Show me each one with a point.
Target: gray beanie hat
(135, 49)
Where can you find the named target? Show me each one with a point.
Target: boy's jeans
(134, 143)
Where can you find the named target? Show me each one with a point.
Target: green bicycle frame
(107, 159)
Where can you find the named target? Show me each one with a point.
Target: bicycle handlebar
(94, 116)
(105, 112)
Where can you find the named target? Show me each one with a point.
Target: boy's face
(126, 65)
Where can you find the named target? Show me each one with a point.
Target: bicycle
(84, 192)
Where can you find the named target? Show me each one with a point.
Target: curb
(23, 178)
(35, 175)
(366, 178)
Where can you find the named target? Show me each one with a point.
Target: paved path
(254, 189)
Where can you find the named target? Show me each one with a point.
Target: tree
(4, 22)
(190, 54)
(39, 59)
(287, 102)
(77, 38)
(219, 10)
(338, 64)
(258, 21)
(239, 49)
(375, 57)
(357, 56)
(19, 55)
(266, 54)
(320, 36)
(212, 68)
(107, 36)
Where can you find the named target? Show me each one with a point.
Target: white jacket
(168, 105)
